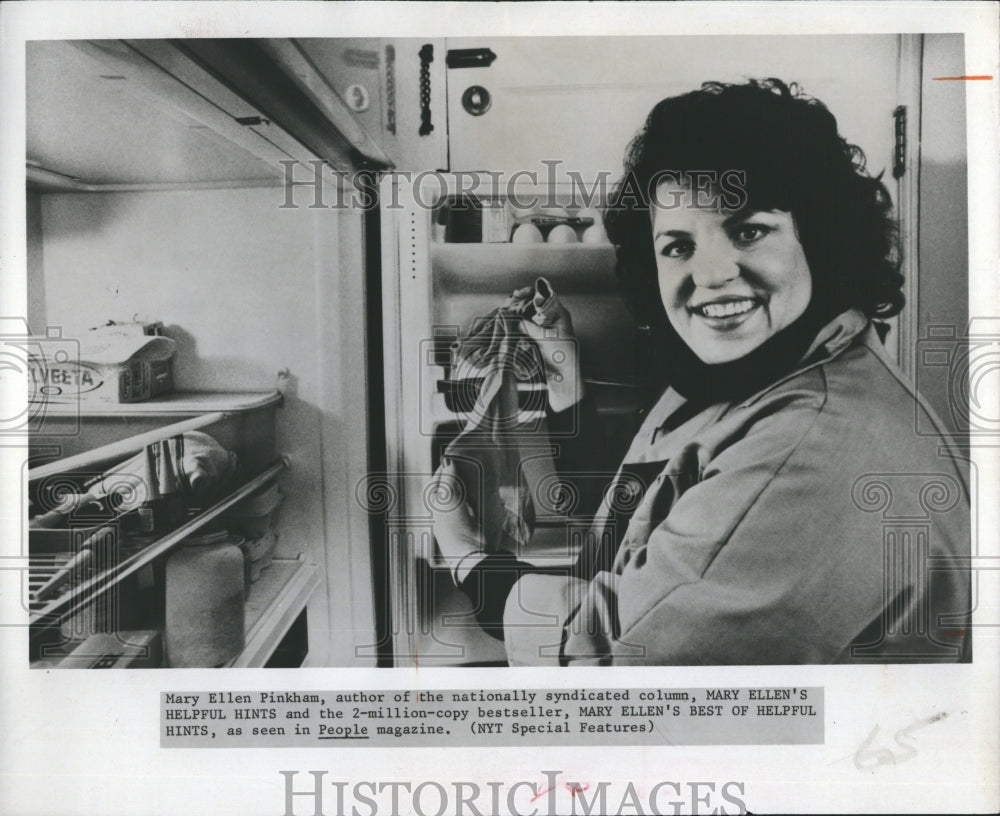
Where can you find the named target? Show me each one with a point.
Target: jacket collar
(838, 334)
(832, 340)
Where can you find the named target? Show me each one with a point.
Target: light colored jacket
(810, 523)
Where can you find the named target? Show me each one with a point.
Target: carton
(112, 369)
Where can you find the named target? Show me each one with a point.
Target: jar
(204, 602)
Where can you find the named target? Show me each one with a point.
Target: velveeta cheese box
(112, 369)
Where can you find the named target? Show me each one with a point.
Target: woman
(778, 505)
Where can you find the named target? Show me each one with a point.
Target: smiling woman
(749, 521)
(728, 281)
(768, 161)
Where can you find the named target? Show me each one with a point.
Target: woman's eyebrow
(746, 214)
(740, 216)
(672, 233)
(737, 217)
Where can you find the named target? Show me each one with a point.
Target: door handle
(426, 58)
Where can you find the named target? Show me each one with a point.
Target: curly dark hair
(794, 160)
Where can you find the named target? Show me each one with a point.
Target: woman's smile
(728, 280)
(722, 309)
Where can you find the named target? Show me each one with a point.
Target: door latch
(470, 58)
(899, 149)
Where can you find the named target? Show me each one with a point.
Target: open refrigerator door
(450, 259)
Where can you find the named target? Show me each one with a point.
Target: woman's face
(728, 279)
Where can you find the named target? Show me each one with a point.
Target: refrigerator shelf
(488, 268)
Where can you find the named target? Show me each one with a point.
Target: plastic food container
(204, 602)
(255, 515)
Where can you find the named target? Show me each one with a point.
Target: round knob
(476, 100)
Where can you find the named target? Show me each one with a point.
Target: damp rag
(499, 442)
(191, 464)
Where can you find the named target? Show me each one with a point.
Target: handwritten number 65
(868, 758)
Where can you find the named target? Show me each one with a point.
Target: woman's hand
(456, 527)
(550, 325)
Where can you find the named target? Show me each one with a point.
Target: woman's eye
(677, 249)
(749, 233)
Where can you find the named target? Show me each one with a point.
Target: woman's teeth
(727, 309)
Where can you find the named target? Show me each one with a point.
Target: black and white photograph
(548, 378)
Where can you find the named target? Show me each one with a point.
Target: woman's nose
(714, 267)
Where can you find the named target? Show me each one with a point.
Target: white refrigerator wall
(578, 101)
(941, 295)
(246, 289)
